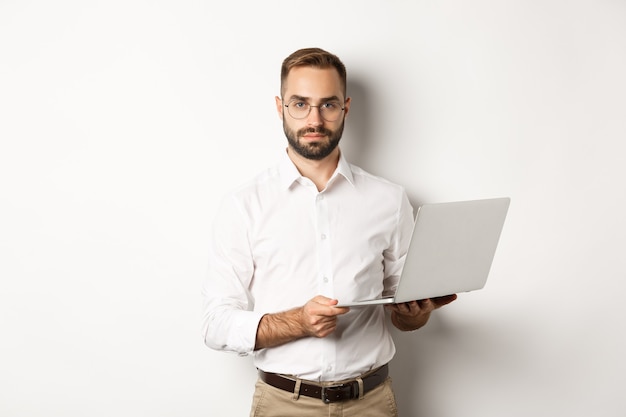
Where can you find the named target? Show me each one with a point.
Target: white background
(123, 122)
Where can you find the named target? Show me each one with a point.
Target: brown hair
(312, 57)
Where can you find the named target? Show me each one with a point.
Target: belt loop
(296, 389)
(360, 381)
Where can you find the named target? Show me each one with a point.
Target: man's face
(313, 137)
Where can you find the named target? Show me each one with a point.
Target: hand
(318, 317)
(414, 314)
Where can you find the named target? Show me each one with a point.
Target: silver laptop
(451, 250)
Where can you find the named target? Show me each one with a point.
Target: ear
(346, 107)
(279, 107)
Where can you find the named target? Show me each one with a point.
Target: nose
(315, 117)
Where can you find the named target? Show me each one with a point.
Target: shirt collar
(289, 173)
(344, 168)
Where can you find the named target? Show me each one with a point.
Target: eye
(298, 104)
(331, 105)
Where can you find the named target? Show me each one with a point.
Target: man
(296, 239)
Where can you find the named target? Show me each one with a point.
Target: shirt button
(325, 280)
(320, 197)
(323, 236)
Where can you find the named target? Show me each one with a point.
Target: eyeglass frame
(343, 108)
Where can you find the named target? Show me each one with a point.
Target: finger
(325, 328)
(329, 313)
(405, 307)
(336, 311)
(326, 331)
(320, 323)
(396, 308)
(320, 299)
(446, 299)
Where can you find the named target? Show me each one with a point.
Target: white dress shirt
(277, 242)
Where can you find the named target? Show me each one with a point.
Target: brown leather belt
(329, 394)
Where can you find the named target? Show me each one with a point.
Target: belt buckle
(335, 389)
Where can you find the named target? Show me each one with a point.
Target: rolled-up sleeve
(228, 322)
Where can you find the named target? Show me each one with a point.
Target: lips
(312, 135)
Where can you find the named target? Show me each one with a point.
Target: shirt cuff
(242, 335)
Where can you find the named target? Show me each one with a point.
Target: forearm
(407, 323)
(279, 328)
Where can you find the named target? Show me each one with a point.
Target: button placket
(325, 283)
(324, 247)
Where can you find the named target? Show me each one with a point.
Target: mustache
(321, 130)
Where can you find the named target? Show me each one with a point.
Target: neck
(317, 171)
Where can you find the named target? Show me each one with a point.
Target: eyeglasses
(330, 111)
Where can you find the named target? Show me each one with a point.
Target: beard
(313, 150)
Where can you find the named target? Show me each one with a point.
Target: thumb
(320, 299)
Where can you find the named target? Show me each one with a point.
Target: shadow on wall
(443, 366)
(419, 355)
(416, 368)
(357, 139)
